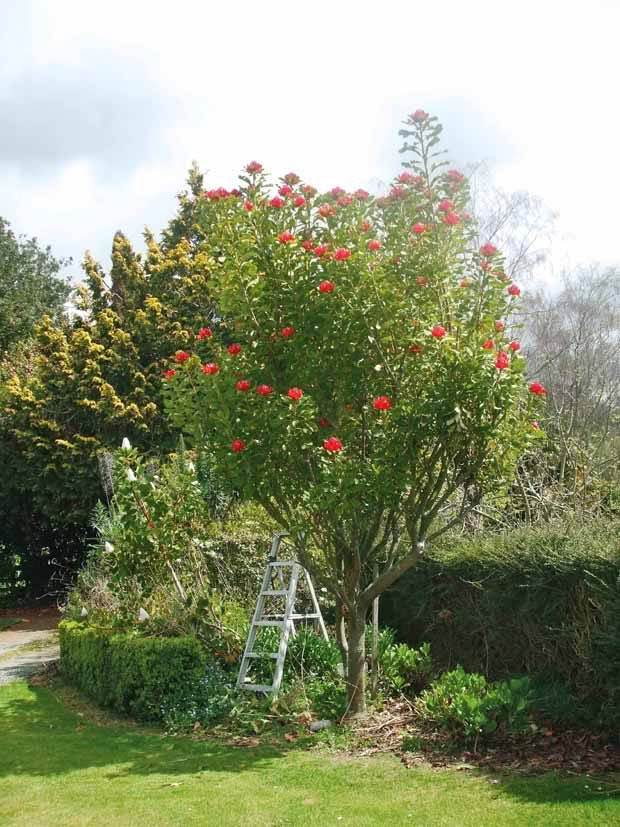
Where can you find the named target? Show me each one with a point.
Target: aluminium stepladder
(285, 620)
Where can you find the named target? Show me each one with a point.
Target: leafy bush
(406, 669)
(468, 707)
(328, 697)
(127, 673)
(308, 655)
(205, 702)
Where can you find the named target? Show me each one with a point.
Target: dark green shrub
(127, 673)
(328, 698)
(206, 702)
(405, 669)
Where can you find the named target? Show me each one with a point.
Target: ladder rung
(257, 687)
(276, 592)
(261, 655)
(279, 563)
(268, 623)
(303, 617)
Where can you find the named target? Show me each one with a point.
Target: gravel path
(17, 662)
(17, 666)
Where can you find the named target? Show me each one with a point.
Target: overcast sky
(105, 105)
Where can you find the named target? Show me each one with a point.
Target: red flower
(421, 281)
(485, 265)
(254, 167)
(488, 345)
(300, 201)
(344, 201)
(310, 191)
(234, 349)
(446, 205)
(397, 193)
(514, 290)
(285, 190)
(308, 244)
(264, 390)
(181, 356)
(488, 250)
(169, 373)
(416, 348)
(502, 361)
(455, 176)
(243, 385)
(332, 444)
(466, 217)
(248, 205)
(438, 331)
(365, 226)
(515, 346)
(419, 115)
(325, 210)
(326, 286)
(451, 218)
(210, 368)
(235, 192)
(205, 333)
(538, 389)
(336, 192)
(342, 254)
(286, 237)
(295, 393)
(382, 403)
(320, 250)
(292, 178)
(361, 195)
(276, 202)
(323, 423)
(237, 445)
(374, 244)
(406, 178)
(464, 283)
(535, 426)
(499, 326)
(418, 228)
(287, 332)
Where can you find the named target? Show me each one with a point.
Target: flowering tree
(368, 381)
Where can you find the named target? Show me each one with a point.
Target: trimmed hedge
(126, 673)
(542, 601)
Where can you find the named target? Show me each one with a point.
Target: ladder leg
(249, 646)
(287, 623)
(315, 603)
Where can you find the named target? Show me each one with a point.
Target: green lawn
(57, 770)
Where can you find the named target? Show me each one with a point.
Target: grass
(7, 622)
(58, 766)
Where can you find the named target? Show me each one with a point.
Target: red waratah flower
(234, 349)
(365, 226)
(416, 348)
(418, 228)
(286, 237)
(538, 389)
(236, 193)
(419, 115)
(205, 333)
(336, 192)
(455, 176)
(499, 326)
(488, 250)
(514, 290)
(398, 193)
(248, 205)
(502, 361)
(264, 390)
(515, 346)
(285, 190)
(488, 345)
(421, 281)
(292, 178)
(446, 205)
(326, 286)
(438, 331)
(361, 195)
(374, 244)
(254, 167)
(333, 444)
(535, 426)
(325, 210)
(323, 422)
(237, 445)
(466, 217)
(451, 218)
(295, 393)
(169, 373)
(308, 244)
(181, 356)
(210, 368)
(310, 191)
(320, 250)
(276, 202)
(300, 201)
(243, 385)
(344, 200)
(342, 254)
(382, 403)
(287, 332)
(406, 178)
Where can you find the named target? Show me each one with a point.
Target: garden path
(18, 658)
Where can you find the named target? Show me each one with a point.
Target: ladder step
(276, 592)
(257, 687)
(262, 655)
(294, 617)
(267, 623)
(280, 563)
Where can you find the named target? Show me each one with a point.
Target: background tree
(369, 380)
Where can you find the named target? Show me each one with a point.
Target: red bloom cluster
(336, 192)
(538, 389)
(320, 250)
(205, 333)
(451, 218)
(438, 331)
(292, 178)
(264, 390)
(418, 228)
(333, 444)
(210, 368)
(285, 190)
(237, 446)
(446, 205)
(326, 286)
(248, 205)
(407, 178)
(254, 167)
(398, 193)
(286, 237)
(300, 201)
(276, 202)
(342, 254)
(514, 346)
(243, 385)
(325, 210)
(374, 244)
(421, 281)
(181, 356)
(361, 195)
(344, 200)
(499, 326)
(416, 349)
(488, 250)
(215, 195)
(323, 422)
(287, 332)
(514, 290)
(419, 116)
(382, 403)
(295, 393)
(169, 373)
(234, 349)
(502, 361)
(308, 244)
(310, 191)
(455, 176)
(488, 345)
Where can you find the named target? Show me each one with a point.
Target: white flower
(143, 615)
(126, 444)
(108, 547)
(84, 612)
(130, 475)
(191, 467)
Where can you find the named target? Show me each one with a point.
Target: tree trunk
(356, 675)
